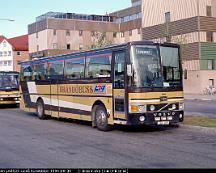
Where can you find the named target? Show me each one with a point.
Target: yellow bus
(9, 88)
(137, 83)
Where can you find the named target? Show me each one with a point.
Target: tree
(100, 40)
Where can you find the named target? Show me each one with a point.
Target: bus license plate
(163, 123)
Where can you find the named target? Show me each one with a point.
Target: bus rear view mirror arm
(129, 70)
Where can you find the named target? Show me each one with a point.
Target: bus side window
(98, 66)
(55, 69)
(40, 71)
(26, 72)
(119, 69)
(74, 68)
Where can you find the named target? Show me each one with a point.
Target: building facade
(12, 52)
(55, 33)
(6, 55)
(191, 23)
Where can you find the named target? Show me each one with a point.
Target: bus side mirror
(129, 70)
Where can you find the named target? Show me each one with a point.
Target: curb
(200, 99)
(204, 129)
(199, 114)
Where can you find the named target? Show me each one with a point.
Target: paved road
(200, 107)
(27, 142)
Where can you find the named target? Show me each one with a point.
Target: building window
(209, 36)
(9, 53)
(114, 34)
(68, 46)
(209, 11)
(37, 48)
(93, 33)
(80, 32)
(36, 34)
(55, 45)
(80, 47)
(54, 32)
(68, 33)
(18, 53)
(5, 63)
(122, 19)
(185, 74)
(167, 17)
(122, 34)
(130, 33)
(210, 64)
(168, 38)
(4, 44)
(211, 82)
(9, 63)
(5, 53)
(138, 31)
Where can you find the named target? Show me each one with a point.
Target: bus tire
(101, 118)
(40, 109)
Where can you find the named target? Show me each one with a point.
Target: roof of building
(19, 43)
(2, 38)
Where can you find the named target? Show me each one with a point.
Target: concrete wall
(197, 81)
(136, 36)
(154, 10)
(41, 41)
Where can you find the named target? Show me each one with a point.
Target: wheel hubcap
(40, 109)
(101, 118)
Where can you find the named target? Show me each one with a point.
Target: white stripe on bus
(55, 102)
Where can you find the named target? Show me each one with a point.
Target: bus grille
(163, 107)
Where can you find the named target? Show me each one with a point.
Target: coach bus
(9, 88)
(137, 83)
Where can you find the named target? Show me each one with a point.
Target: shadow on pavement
(9, 106)
(145, 128)
(123, 128)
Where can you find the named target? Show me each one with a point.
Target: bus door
(56, 75)
(119, 99)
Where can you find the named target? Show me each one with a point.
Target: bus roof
(9, 72)
(106, 48)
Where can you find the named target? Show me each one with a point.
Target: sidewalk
(200, 97)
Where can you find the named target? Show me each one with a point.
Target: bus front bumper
(156, 118)
(9, 100)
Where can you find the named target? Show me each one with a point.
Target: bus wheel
(40, 109)
(101, 119)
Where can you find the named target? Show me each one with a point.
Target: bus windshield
(152, 70)
(9, 81)
(146, 66)
(171, 66)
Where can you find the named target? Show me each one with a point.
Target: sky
(24, 12)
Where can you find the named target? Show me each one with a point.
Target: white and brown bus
(138, 83)
(9, 88)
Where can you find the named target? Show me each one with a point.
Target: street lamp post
(10, 20)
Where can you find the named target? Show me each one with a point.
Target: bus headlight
(152, 108)
(1, 99)
(174, 106)
(142, 118)
(138, 108)
(181, 106)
